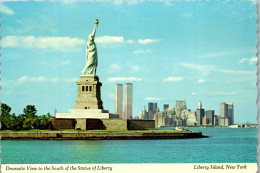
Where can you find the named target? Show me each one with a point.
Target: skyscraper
(231, 112)
(128, 101)
(210, 117)
(223, 110)
(179, 106)
(152, 107)
(226, 114)
(151, 110)
(166, 106)
(119, 100)
(200, 114)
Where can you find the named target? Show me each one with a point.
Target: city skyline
(169, 51)
(181, 115)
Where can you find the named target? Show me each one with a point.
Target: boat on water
(179, 128)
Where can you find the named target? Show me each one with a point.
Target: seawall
(98, 135)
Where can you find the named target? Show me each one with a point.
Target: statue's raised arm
(95, 28)
(91, 54)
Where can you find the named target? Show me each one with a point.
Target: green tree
(5, 110)
(30, 111)
(45, 121)
(19, 122)
(8, 121)
(27, 124)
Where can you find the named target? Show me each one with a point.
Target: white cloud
(230, 53)
(112, 41)
(141, 51)
(133, 68)
(172, 79)
(113, 68)
(147, 41)
(199, 67)
(222, 93)
(187, 15)
(4, 9)
(68, 1)
(109, 39)
(116, 79)
(41, 79)
(153, 99)
(237, 71)
(24, 79)
(253, 60)
(204, 69)
(66, 62)
(242, 60)
(193, 93)
(252, 1)
(56, 43)
(201, 80)
(120, 2)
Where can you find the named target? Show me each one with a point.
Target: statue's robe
(91, 58)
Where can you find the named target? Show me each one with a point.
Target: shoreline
(134, 135)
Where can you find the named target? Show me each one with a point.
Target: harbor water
(224, 145)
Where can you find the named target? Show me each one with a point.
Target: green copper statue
(91, 55)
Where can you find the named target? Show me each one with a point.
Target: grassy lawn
(101, 131)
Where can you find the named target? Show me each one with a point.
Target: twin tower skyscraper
(128, 100)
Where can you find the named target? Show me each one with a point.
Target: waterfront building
(226, 114)
(144, 114)
(128, 101)
(204, 121)
(119, 100)
(210, 117)
(231, 113)
(216, 117)
(179, 106)
(200, 114)
(160, 119)
(223, 110)
(156, 117)
(179, 122)
(191, 119)
(224, 121)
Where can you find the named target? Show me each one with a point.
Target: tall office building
(179, 106)
(128, 101)
(226, 114)
(119, 100)
(152, 107)
(223, 110)
(166, 106)
(231, 112)
(200, 114)
(210, 117)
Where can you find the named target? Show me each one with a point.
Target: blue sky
(170, 50)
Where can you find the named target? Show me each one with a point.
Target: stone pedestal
(87, 113)
(89, 96)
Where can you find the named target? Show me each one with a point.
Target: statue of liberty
(91, 54)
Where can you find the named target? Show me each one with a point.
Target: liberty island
(88, 113)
